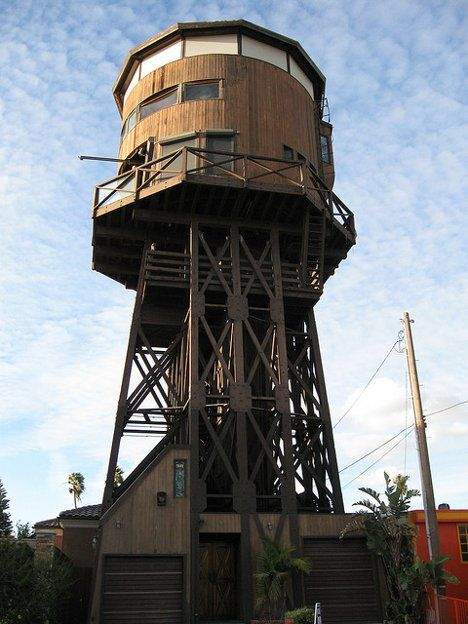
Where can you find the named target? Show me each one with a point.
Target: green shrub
(304, 615)
(31, 592)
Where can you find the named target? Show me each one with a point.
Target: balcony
(223, 169)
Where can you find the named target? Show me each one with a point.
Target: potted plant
(304, 615)
(275, 565)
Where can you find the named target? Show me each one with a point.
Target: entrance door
(217, 580)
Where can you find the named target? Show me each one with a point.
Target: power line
(381, 457)
(376, 448)
(408, 429)
(397, 341)
(445, 409)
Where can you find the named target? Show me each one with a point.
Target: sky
(396, 84)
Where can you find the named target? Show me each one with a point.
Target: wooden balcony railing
(172, 269)
(243, 170)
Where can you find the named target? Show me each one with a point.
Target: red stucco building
(453, 535)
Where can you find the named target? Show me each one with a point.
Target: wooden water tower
(223, 220)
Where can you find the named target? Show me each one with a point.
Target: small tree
(24, 531)
(275, 565)
(6, 525)
(77, 486)
(118, 476)
(390, 537)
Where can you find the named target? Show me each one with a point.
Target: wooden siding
(145, 527)
(220, 523)
(263, 103)
(323, 525)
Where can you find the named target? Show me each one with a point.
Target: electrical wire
(445, 409)
(381, 457)
(376, 448)
(397, 341)
(408, 429)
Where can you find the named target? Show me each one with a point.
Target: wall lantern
(161, 499)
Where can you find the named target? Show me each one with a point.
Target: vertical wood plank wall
(268, 107)
(145, 527)
(160, 529)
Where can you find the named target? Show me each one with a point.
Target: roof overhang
(185, 29)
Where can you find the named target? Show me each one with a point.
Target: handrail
(447, 610)
(187, 162)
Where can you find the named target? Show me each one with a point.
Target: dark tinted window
(288, 153)
(201, 91)
(168, 99)
(324, 144)
(219, 143)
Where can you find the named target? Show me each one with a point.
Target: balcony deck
(217, 187)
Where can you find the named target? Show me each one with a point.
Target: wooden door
(217, 580)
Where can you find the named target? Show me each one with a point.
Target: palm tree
(275, 564)
(118, 476)
(77, 486)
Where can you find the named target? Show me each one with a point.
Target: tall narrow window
(174, 167)
(325, 146)
(463, 541)
(131, 121)
(179, 478)
(219, 143)
(288, 152)
(201, 90)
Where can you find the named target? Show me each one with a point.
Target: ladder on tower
(313, 254)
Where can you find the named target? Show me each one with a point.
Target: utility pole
(432, 529)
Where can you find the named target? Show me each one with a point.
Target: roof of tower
(291, 46)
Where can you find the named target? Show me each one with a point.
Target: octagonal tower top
(238, 37)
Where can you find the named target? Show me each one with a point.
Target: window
(218, 143)
(463, 541)
(171, 145)
(201, 90)
(325, 147)
(179, 478)
(160, 102)
(288, 152)
(131, 121)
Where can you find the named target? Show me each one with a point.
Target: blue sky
(396, 82)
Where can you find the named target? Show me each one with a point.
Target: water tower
(223, 221)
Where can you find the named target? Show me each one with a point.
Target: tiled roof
(53, 523)
(88, 512)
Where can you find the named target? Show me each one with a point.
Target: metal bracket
(197, 304)
(240, 395)
(238, 307)
(282, 398)
(197, 395)
(277, 310)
